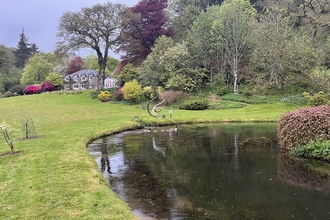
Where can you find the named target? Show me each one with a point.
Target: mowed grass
(54, 177)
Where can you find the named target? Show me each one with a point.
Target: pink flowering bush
(47, 87)
(32, 89)
(304, 126)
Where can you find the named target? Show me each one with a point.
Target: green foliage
(6, 134)
(317, 150)
(317, 99)
(104, 96)
(17, 89)
(197, 104)
(304, 126)
(7, 94)
(128, 73)
(148, 92)
(132, 91)
(36, 71)
(55, 79)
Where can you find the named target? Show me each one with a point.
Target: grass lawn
(54, 177)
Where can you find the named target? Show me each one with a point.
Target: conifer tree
(24, 50)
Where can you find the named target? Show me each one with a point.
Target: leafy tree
(36, 70)
(132, 91)
(129, 73)
(75, 65)
(233, 25)
(152, 72)
(24, 50)
(207, 48)
(7, 59)
(141, 32)
(183, 14)
(97, 28)
(92, 63)
(55, 79)
(279, 49)
(315, 14)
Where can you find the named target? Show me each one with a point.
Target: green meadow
(54, 177)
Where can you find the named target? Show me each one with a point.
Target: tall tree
(207, 48)
(24, 50)
(75, 65)
(315, 14)
(233, 25)
(98, 28)
(36, 70)
(150, 22)
(279, 49)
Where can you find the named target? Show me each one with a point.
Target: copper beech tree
(98, 28)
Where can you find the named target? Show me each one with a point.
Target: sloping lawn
(54, 177)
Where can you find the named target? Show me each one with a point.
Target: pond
(212, 171)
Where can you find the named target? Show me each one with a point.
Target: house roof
(82, 73)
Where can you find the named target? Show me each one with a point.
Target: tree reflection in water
(226, 171)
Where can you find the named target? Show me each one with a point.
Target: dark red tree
(147, 22)
(75, 65)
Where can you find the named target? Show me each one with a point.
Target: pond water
(212, 171)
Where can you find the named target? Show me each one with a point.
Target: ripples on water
(215, 171)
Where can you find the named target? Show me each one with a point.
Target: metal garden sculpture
(155, 111)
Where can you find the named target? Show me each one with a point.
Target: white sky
(40, 19)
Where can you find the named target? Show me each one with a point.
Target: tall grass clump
(304, 126)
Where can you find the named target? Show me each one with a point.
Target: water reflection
(225, 171)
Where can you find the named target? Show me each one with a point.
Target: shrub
(304, 126)
(32, 89)
(132, 91)
(1, 95)
(104, 96)
(47, 87)
(7, 94)
(94, 94)
(148, 92)
(198, 104)
(118, 95)
(171, 96)
(17, 89)
(317, 150)
(316, 99)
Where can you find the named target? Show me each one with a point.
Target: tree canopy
(98, 27)
(148, 22)
(36, 70)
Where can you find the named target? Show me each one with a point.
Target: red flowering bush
(304, 126)
(32, 89)
(47, 87)
(118, 95)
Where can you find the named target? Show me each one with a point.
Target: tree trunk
(235, 76)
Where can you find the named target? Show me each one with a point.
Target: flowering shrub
(104, 96)
(47, 87)
(32, 89)
(304, 126)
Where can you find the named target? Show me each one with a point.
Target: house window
(83, 78)
(75, 86)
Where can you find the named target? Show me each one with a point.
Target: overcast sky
(40, 19)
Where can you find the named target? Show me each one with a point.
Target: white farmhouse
(86, 79)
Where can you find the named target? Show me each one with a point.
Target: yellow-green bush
(132, 91)
(104, 96)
